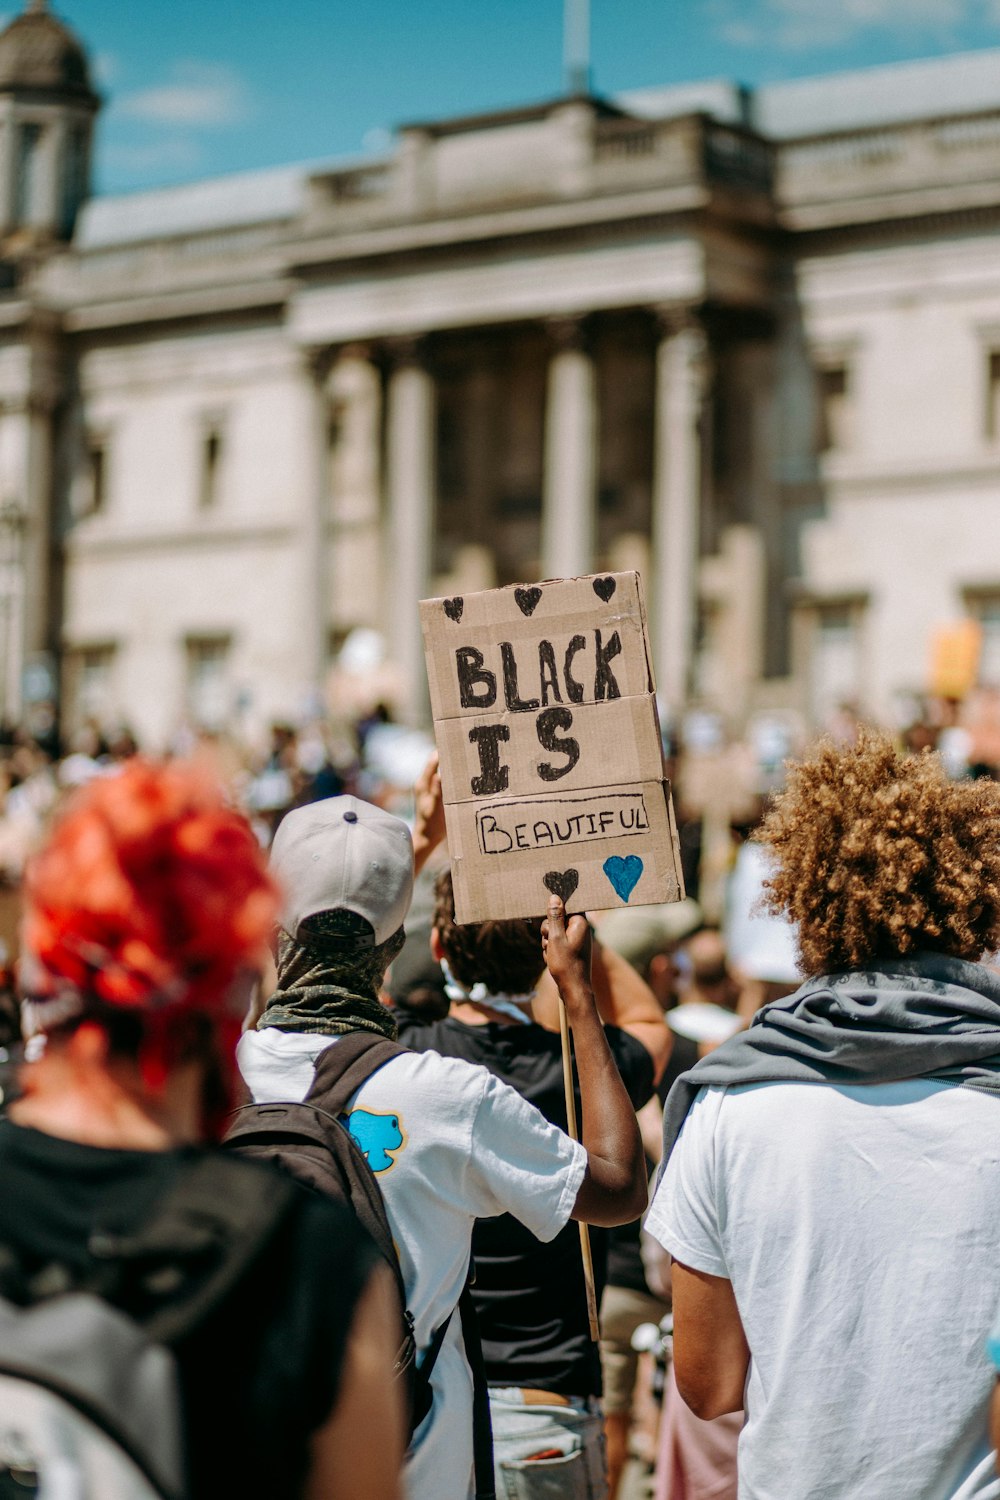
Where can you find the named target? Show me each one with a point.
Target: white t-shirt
(449, 1144)
(860, 1228)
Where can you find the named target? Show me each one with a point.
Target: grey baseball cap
(342, 854)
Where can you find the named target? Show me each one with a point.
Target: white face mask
(514, 1007)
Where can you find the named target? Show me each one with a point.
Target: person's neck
(110, 1108)
(473, 1013)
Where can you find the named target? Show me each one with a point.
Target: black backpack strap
(346, 1064)
(423, 1396)
(277, 1126)
(199, 1241)
(482, 1425)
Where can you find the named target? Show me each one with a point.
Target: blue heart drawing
(623, 873)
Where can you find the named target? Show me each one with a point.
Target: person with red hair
(147, 914)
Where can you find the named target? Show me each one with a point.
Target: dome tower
(47, 109)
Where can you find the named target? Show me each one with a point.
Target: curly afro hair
(880, 855)
(506, 956)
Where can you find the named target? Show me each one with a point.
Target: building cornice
(457, 231)
(182, 303)
(190, 539)
(836, 478)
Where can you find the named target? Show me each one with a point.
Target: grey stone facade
(749, 344)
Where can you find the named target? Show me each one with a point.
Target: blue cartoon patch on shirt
(378, 1136)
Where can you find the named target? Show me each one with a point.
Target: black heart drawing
(561, 883)
(453, 607)
(604, 588)
(527, 599)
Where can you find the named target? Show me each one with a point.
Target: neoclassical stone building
(749, 343)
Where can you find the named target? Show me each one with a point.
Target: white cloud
(795, 25)
(196, 95)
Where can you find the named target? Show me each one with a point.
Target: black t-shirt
(624, 1254)
(261, 1373)
(530, 1297)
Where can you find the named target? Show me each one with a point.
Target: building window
(89, 494)
(90, 684)
(28, 208)
(984, 607)
(835, 658)
(96, 474)
(209, 689)
(74, 178)
(835, 409)
(212, 447)
(993, 395)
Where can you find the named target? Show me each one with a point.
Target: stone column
(313, 536)
(681, 365)
(8, 165)
(410, 485)
(760, 361)
(355, 462)
(569, 499)
(30, 602)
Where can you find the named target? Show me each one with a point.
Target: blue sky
(199, 87)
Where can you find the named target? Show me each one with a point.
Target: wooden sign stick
(588, 1259)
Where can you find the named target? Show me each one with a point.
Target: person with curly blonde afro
(831, 1185)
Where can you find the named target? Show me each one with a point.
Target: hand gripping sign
(551, 762)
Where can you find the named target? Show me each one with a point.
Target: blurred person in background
(707, 992)
(146, 911)
(832, 1182)
(696, 1459)
(705, 976)
(761, 942)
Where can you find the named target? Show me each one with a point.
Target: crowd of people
(292, 1201)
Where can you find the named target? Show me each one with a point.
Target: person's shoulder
(623, 1044)
(427, 1072)
(415, 1030)
(703, 1117)
(8, 1135)
(446, 1036)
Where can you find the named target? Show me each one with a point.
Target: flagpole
(576, 45)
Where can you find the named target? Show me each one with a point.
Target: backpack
(89, 1396)
(310, 1141)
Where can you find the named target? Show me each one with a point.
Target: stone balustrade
(575, 151)
(822, 178)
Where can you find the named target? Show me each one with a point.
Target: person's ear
(88, 1046)
(437, 951)
(660, 967)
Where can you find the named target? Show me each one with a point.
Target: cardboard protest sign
(551, 763)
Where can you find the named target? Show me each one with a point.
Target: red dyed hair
(150, 893)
